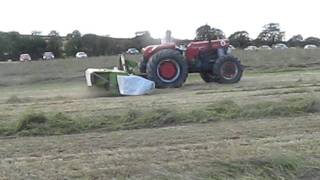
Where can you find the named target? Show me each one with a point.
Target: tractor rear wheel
(167, 68)
(228, 70)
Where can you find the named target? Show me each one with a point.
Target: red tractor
(168, 66)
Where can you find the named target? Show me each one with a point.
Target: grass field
(265, 127)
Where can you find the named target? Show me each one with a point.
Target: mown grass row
(275, 166)
(38, 123)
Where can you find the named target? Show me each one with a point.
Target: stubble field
(264, 127)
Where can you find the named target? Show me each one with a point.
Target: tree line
(271, 34)
(12, 44)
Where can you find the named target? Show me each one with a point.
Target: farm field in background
(264, 127)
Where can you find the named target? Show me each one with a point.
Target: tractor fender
(159, 51)
(151, 50)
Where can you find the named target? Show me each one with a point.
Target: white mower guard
(134, 85)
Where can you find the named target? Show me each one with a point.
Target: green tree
(13, 41)
(295, 41)
(5, 46)
(13, 44)
(202, 33)
(74, 43)
(36, 33)
(206, 32)
(90, 44)
(312, 40)
(36, 47)
(271, 34)
(55, 43)
(240, 39)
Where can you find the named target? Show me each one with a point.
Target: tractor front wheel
(167, 68)
(208, 77)
(228, 70)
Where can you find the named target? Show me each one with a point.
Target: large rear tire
(228, 70)
(167, 68)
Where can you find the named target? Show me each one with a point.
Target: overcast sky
(122, 18)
